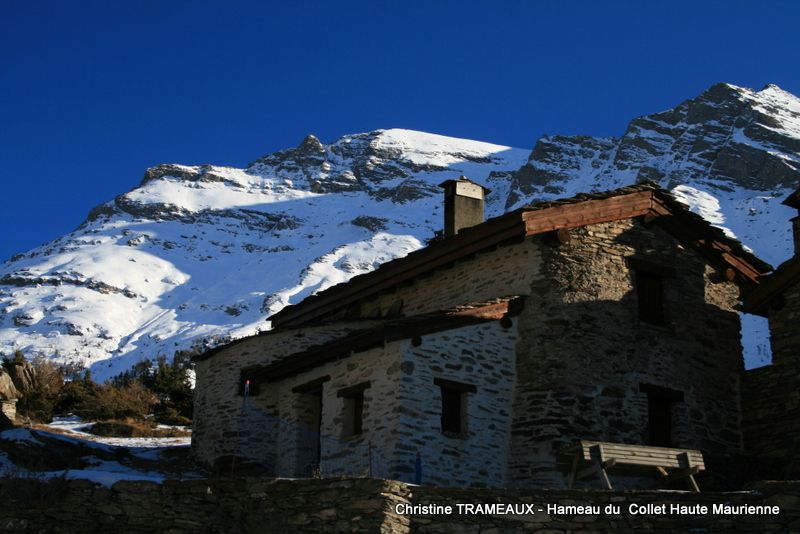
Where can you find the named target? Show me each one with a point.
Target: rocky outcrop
(728, 136)
(22, 375)
(8, 390)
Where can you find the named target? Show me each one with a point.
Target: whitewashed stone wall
(222, 426)
(401, 417)
(340, 455)
(480, 355)
(402, 411)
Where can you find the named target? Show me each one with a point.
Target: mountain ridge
(198, 254)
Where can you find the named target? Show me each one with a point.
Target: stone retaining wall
(361, 505)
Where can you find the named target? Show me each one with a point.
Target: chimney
(794, 202)
(463, 204)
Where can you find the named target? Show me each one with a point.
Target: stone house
(771, 394)
(472, 361)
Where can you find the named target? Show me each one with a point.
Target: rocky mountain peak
(311, 145)
(198, 254)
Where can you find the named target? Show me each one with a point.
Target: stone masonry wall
(784, 327)
(771, 417)
(295, 435)
(582, 352)
(498, 273)
(360, 505)
(221, 427)
(402, 411)
(483, 356)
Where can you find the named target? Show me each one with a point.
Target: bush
(98, 402)
(161, 389)
(39, 399)
(169, 381)
(135, 429)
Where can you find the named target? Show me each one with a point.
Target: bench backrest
(643, 455)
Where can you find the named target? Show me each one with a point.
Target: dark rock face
(373, 224)
(355, 163)
(727, 135)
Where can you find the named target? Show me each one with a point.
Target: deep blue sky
(92, 93)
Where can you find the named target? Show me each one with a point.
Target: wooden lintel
(311, 386)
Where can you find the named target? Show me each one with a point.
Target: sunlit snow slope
(196, 255)
(199, 254)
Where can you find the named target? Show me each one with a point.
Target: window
(454, 405)
(353, 409)
(659, 413)
(649, 280)
(650, 293)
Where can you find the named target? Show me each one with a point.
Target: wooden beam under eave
(492, 311)
(582, 218)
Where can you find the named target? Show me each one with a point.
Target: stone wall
(204, 506)
(401, 412)
(771, 418)
(482, 356)
(361, 505)
(784, 326)
(296, 434)
(221, 427)
(582, 351)
(505, 271)
(581, 356)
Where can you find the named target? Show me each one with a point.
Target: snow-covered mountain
(199, 254)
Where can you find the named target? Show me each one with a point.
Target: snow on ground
(106, 460)
(74, 426)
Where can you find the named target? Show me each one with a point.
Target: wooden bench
(587, 458)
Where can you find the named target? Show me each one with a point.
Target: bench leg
(602, 471)
(693, 484)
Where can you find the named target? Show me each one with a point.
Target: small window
(353, 410)
(454, 405)
(453, 411)
(650, 293)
